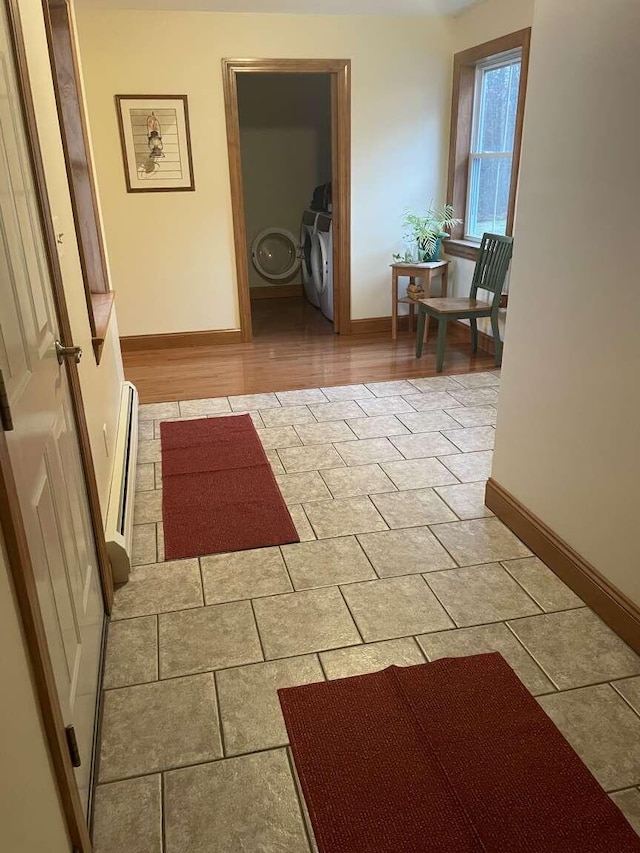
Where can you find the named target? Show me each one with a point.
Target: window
(487, 112)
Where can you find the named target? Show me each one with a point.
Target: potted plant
(428, 231)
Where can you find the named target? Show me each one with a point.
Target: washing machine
(322, 263)
(307, 232)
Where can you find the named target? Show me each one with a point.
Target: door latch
(5, 408)
(72, 743)
(63, 352)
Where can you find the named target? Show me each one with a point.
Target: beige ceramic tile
(249, 706)
(575, 648)
(287, 416)
(602, 729)
(310, 458)
(390, 389)
(472, 438)
(542, 585)
(378, 426)
(326, 562)
(395, 607)
(471, 467)
(145, 430)
(278, 437)
(404, 552)
(371, 657)
(482, 540)
(301, 397)
(466, 500)
(253, 402)
(481, 594)
(474, 416)
(303, 622)
(479, 380)
(207, 638)
(436, 383)
(476, 397)
(368, 450)
(412, 509)
(149, 451)
(157, 588)
(304, 529)
(423, 445)
(157, 726)
(128, 816)
(338, 411)
(325, 433)
(147, 507)
(160, 539)
(303, 487)
(153, 411)
(144, 544)
(243, 574)
(343, 517)
(358, 480)
(418, 474)
(253, 414)
(132, 652)
(428, 421)
(629, 804)
(240, 805)
(157, 469)
(202, 408)
(488, 638)
(430, 401)
(274, 459)
(385, 406)
(347, 392)
(145, 477)
(630, 689)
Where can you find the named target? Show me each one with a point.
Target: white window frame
(488, 64)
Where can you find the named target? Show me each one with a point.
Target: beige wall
(569, 419)
(31, 819)
(100, 383)
(172, 253)
(285, 133)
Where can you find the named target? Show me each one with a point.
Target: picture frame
(156, 143)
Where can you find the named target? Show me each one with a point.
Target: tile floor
(399, 562)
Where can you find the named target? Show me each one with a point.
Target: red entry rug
(453, 756)
(218, 489)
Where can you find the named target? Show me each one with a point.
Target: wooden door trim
(11, 524)
(340, 71)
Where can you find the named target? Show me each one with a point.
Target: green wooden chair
(489, 274)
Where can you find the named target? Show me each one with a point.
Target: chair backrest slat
(492, 265)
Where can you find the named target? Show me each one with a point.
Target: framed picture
(156, 147)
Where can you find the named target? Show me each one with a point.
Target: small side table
(413, 271)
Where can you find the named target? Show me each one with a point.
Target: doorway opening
(288, 130)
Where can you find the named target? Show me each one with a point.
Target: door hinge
(72, 743)
(5, 408)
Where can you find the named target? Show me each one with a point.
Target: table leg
(394, 304)
(411, 308)
(445, 280)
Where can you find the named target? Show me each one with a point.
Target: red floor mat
(218, 489)
(453, 756)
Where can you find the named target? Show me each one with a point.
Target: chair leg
(474, 334)
(420, 334)
(442, 342)
(497, 343)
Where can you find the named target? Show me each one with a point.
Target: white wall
(569, 419)
(285, 135)
(100, 383)
(172, 253)
(31, 818)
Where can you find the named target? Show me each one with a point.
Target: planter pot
(425, 257)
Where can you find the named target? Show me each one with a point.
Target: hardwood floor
(294, 347)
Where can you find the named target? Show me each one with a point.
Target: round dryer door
(320, 263)
(276, 254)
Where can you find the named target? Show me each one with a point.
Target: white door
(43, 445)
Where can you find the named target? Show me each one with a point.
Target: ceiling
(417, 8)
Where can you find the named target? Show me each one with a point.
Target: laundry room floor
(399, 563)
(287, 317)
